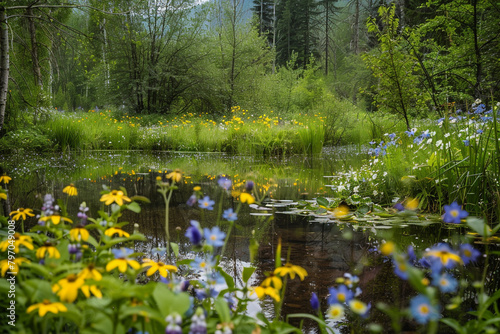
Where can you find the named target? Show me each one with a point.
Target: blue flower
(401, 269)
(466, 142)
(194, 233)
(453, 213)
(249, 186)
(224, 183)
(201, 264)
(372, 142)
(214, 237)
(441, 256)
(392, 136)
(468, 253)
(206, 203)
(192, 200)
(230, 215)
(479, 131)
(422, 310)
(399, 207)
(314, 301)
(410, 133)
(340, 295)
(122, 253)
(445, 282)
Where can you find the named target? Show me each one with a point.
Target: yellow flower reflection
(67, 288)
(70, 190)
(116, 196)
(47, 306)
(292, 270)
(159, 267)
(21, 214)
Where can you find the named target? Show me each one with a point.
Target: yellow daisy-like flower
(116, 196)
(116, 230)
(12, 266)
(358, 306)
(122, 264)
(267, 291)
(91, 289)
(47, 306)
(291, 269)
(247, 198)
(159, 267)
(70, 190)
(56, 219)
(387, 248)
(90, 273)
(5, 179)
(19, 240)
(273, 281)
(21, 214)
(48, 248)
(79, 233)
(176, 175)
(335, 312)
(67, 288)
(3, 195)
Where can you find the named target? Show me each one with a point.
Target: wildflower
(159, 267)
(21, 214)
(198, 322)
(70, 190)
(48, 248)
(122, 261)
(193, 233)
(55, 219)
(273, 281)
(47, 306)
(314, 301)
(387, 248)
(340, 211)
(399, 207)
(443, 255)
(5, 179)
(445, 282)
(340, 295)
(267, 291)
(422, 310)
(401, 268)
(224, 183)
(206, 203)
(19, 240)
(90, 272)
(116, 230)
(453, 213)
(116, 196)
(249, 187)
(335, 312)
(247, 198)
(359, 307)
(67, 288)
(290, 269)
(466, 142)
(192, 200)
(197, 188)
(12, 265)
(468, 253)
(410, 133)
(91, 289)
(214, 237)
(411, 204)
(176, 175)
(201, 264)
(230, 215)
(79, 233)
(3, 195)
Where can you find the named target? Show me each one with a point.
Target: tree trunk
(4, 64)
(356, 28)
(37, 72)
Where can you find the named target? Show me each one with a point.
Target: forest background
(408, 58)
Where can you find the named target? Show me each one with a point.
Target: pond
(326, 250)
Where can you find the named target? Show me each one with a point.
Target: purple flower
(453, 213)
(206, 203)
(192, 200)
(230, 215)
(249, 186)
(314, 301)
(224, 183)
(399, 207)
(194, 233)
(340, 295)
(468, 253)
(214, 237)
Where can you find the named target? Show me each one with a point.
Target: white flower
(375, 193)
(478, 101)
(439, 143)
(446, 135)
(385, 174)
(429, 141)
(356, 189)
(374, 176)
(340, 188)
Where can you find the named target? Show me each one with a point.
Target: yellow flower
(48, 248)
(122, 261)
(56, 219)
(273, 281)
(12, 266)
(67, 288)
(266, 291)
(3, 195)
(18, 240)
(335, 312)
(247, 198)
(197, 188)
(113, 230)
(70, 190)
(290, 269)
(176, 175)
(47, 306)
(116, 196)
(387, 248)
(87, 289)
(358, 306)
(21, 213)
(5, 179)
(90, 273)
(79, 233)
(340, 211)
(411, 204)
(159, 267)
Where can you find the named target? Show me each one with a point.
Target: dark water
(326, 251)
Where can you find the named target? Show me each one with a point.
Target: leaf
(140, 198)
(175, 248)
(478, 225)
(228, 278)
(454, 324)
(168, 302)
(135, 207)
(247, 273)
(222, 310)
(322, 201)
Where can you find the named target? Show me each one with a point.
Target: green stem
(279, 305)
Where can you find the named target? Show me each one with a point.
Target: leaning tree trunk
(4, 64)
